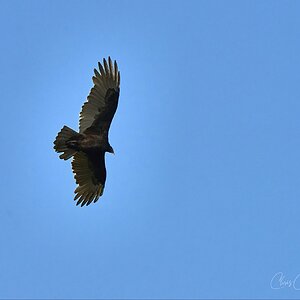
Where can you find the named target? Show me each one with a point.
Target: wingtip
(96, 73)
(105, 66)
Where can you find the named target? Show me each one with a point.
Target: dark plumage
(88, 147)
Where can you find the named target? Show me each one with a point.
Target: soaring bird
(88, 147)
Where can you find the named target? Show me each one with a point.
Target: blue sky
(202, 196)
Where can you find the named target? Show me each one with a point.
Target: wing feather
(105, 67)
(101, 69)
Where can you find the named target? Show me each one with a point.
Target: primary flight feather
(88, 147)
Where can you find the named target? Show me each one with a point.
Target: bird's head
(110, 149)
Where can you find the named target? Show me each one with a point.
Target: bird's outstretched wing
(97, 112)
(90, 175)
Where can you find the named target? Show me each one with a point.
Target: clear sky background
(202, 198)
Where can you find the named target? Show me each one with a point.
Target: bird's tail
(62, 142)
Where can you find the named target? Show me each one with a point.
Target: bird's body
(89, 143)
(88, 147)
